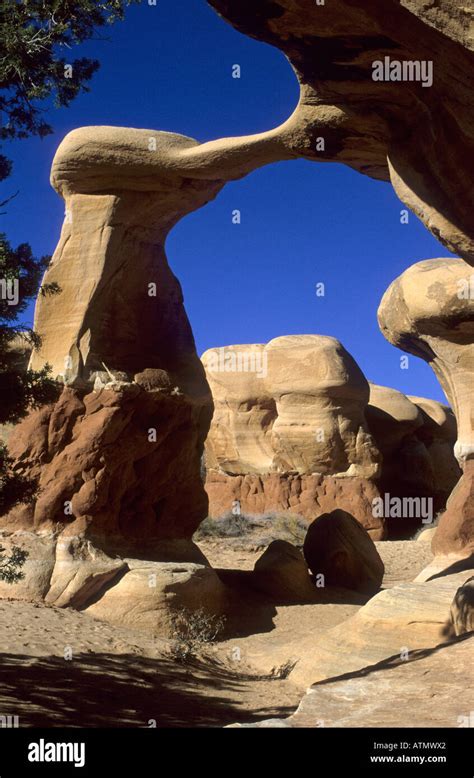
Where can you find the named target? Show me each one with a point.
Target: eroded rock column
(429, 312)
(416, 438)
(289, 433)
(117, 458)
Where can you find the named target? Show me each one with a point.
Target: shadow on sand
(104, 690)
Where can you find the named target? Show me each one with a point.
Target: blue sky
(169, 67)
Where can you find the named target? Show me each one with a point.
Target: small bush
(10, 566)
(228, 526)
(282, 672)
(193, 631)
(260, 529)
(14, 487)
(288, 526)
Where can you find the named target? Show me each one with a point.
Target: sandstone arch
(421, 139)
(124, 190)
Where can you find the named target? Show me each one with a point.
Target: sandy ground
(60, 667)
(403, 559)
(119, 677)
(270, 635)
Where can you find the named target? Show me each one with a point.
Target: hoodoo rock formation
(429, 312)
(416, 439)
(417, 132)
(117, 458)
(297, 429)
(120, 307)
(289, 431)
(118, 337)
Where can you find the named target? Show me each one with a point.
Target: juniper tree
(35, 36)
(10, 566)
(36, 73)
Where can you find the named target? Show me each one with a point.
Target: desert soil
(60, 667)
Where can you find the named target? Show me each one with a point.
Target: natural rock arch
(125, 458)
(421, 139)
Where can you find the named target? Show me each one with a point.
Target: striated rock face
(240, 438)
(109, 499)
(448, 16)
(438, 433)
(120, 306)
(455, 531)
(366, 697)
(320, 395)
(289, 431)
(416, 438)
(388, 129)
(429, 312)
(103, 472)
(296, 428)
(293, 405)
(304, 495)
(393, 624)
(340, 550)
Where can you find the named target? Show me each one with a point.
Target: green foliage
(36, 71)
(20, 388)
(228, 526)
(34, 34)
(259, 529)
(10, 566)
(14, 487)
(18, 264)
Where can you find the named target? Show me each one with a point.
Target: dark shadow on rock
(456, 567)
(248, 612)
(392, 662)
(100, 591)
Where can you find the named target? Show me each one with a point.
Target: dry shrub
(193, 631)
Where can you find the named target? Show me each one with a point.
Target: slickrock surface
(414, 692)
(394, 624)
